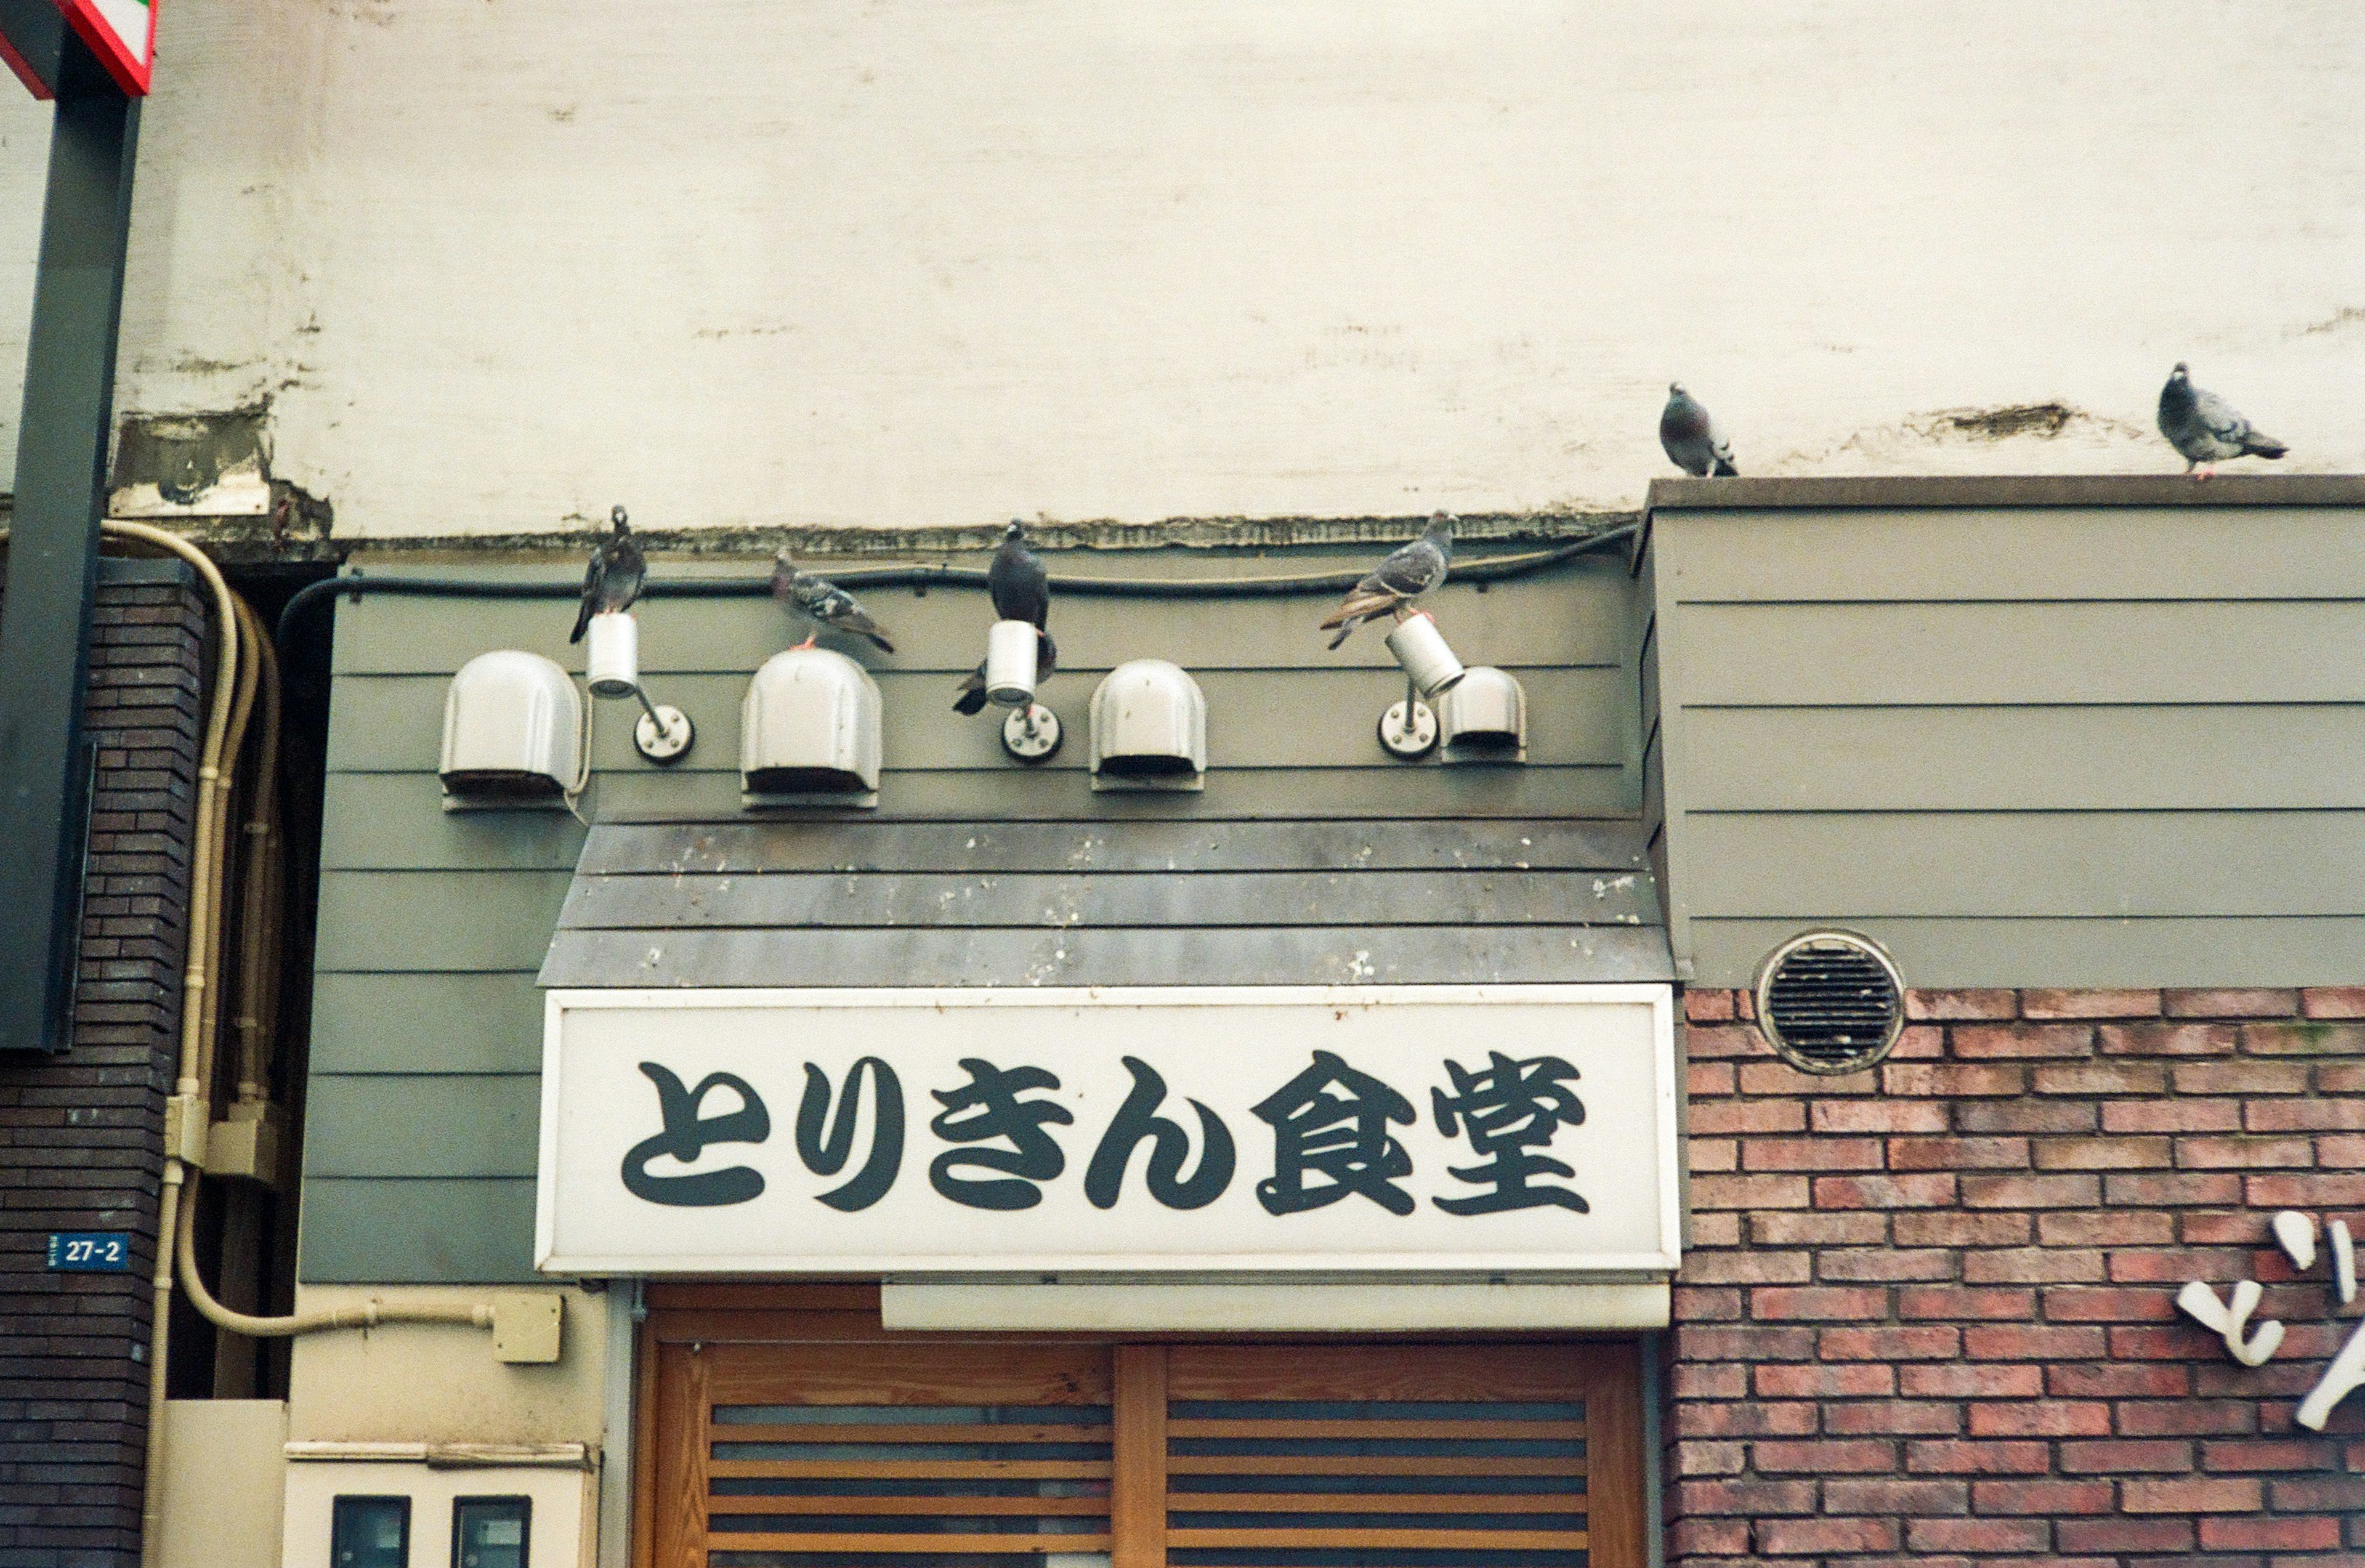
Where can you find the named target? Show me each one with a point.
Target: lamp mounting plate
(1408, 735)
(1031, 733)
(666, 746)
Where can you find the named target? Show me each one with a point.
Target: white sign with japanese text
(1457, 1129)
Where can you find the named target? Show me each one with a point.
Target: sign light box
(1450, 1129)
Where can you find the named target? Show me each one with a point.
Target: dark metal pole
(53, 549)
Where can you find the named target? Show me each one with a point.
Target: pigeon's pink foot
(808, 643)
(2204, 470)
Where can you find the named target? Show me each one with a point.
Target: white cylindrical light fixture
(1421, 648)
(612, 655)
(1010, 650)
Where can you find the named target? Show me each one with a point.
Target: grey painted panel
(910, 846)
(1345, 897)
(2284, 951)
(2028, 757)
(1306, 719)
(417, 1232)
(1800, 655)
(426, 1023)
(1784, 655)
(397, 821)
(1565, 617)
(1839, 866)
(1298, 956)
(2038, 552)
(421, 1124)
(381, 921)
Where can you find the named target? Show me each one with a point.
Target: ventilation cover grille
(1830, 1002)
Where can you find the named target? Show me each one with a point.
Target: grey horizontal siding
(427, 1036)
(478, 1230)
(2050, 746)
(2065, 757)
(409, 1022)
(1809, 654)
(413, 1124)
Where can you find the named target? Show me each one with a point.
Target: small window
(490, 1532)
(370, 1532)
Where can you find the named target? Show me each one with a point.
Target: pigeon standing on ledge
(1409, 571)
(616, 574)
(825, 602)
(1021, 590)
(1691, 435)
(2205, 427)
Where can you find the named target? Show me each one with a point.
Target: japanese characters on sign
(2229, 1319)
(1527, 1128)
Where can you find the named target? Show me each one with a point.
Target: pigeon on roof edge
(1690, 434)
(616, 578)
(2207, 429)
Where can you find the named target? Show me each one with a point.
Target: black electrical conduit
(1490, 569)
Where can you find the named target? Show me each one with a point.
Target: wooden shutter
(780, 1453)
(887, 1456)
(1440, 1456)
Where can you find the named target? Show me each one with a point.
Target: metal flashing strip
(448, 1456)
(1281, 1307)
(1905, 491)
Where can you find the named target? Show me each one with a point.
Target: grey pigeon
(825, 602)
(970, 697)
(1690, 433)
(1409, 571)
(2205, 427)
(1021, 590)
(615, 577)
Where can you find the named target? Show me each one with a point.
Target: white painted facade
(497, 264)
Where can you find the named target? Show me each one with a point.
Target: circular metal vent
(1830, 1002)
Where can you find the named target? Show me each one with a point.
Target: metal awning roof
(886, 903)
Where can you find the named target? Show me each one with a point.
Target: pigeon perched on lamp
(614, 579)
(1021, 590)
(824, 604)
(1409, 571)
(1691, 437)
(2205, 427)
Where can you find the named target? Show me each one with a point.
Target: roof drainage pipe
(239, 674)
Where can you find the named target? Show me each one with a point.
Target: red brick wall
(1927, 1314)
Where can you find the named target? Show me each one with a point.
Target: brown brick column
(81, 1134)
(1928, 1313)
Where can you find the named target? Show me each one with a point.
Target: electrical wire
(1485, 569)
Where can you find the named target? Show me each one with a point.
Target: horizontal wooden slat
(1846, 866)
(1279, 956)
(2027, 759)
(451, 1023)
(1381, 789)
(935, 1371)
(1997, 552)
(927, 1469)
(1789, 654)
(381, 821)
(1457, 1373)
(858, 1545)
(1369, 1464)
(1142, 899)
(453, 921)
(1308, 719)
(2093, 951)
(1375, 1502)
(915, 1432)
(1312, 1537)
(1565, 616)
(1188, 847)
(1442, 1429)
(846, 1503)
(421, 1124)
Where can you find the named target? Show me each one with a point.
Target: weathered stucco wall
(500, 264)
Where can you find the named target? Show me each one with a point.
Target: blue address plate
(91, 1252)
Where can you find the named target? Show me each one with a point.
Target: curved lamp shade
(513, 733)
(809, 732)
(1150, 728)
